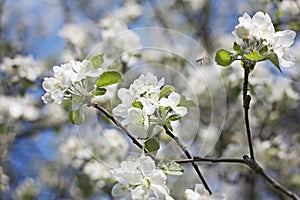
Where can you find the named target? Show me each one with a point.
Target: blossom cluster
(140, 179)
(71, 80)
(21, 67)
(144, 104)
(79, 152)
(260, 29)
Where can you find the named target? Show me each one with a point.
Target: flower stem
(188, 155)
(246, 105)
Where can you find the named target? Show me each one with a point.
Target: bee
(202, 59)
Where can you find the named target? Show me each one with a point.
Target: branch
(117, 123)
(252, 164)
(188, 155)
(246, 102)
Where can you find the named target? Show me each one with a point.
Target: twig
(246, 104)
(252, 164)
(211, 160)
(188, 155)
(117, 123)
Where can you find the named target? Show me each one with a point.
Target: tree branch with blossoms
(149, 108)
(251, 163)
(260, 43)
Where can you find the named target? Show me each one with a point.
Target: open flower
(245, 28)
(140, 180)
(201, 194)
(70, 80)
(148, 103)
(261, 32)
(282, 41)
(173, 101)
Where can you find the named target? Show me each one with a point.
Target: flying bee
(202, 59)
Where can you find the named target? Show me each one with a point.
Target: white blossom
(70, 80)
(172, 101)
(22, 67)
(200, 193)
(141, 102)
(245, 28)
(260, 27)
(74, 33)
(140, 180)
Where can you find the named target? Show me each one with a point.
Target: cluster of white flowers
(74, 33)
(140, 180)
(109, 148)
(70, 80)
(261, 28)
(263, 85)
(201, 194)
(27, 189)
(16, 107)
(22, 67)
(140, 104)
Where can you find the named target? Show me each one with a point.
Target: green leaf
(255, 56)
(108, 78)
(224, 57)
(76, 117)
(97, 60)
(186, 102)
(274, 59)
(174, 117)
(171, 167)
(238, 49)
(152, 144)
(137, 104)
(166, 90)
(100, 91)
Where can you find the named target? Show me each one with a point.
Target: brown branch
(117, 123)
(188, 155)
(252, 164)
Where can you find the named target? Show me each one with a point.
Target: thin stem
(211, 160)
(117, 123)
(246, 104)
(188, 155)
(252, 164)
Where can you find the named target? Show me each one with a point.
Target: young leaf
(274, 59)
(174, 117)
(152, 144)
(238, 49)
(137, 104)
(171, 167)
(97, 60)
(166, 90)
(76, 117)
(186, 102)
(100, 91)
(108, 78)
(255, 56)
(224, 57)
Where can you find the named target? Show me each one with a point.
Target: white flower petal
(119, 190)
(284, 38)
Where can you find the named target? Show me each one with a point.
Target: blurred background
(42, 156)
